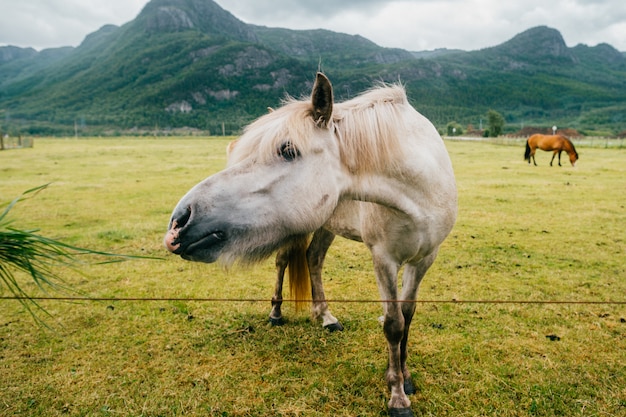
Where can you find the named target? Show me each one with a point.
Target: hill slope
(191, 63)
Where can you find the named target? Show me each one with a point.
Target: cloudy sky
(410, 24)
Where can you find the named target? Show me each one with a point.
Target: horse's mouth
(202, 247)
(205, 249)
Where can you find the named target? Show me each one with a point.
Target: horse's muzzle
(180, 218)
(195, 241)
(171, 241)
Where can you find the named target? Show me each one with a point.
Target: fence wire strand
(287, 300)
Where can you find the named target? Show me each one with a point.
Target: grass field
(523, 233)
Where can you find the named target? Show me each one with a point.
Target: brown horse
(555, 143)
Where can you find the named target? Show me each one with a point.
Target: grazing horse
(555, 143)
(371, 169)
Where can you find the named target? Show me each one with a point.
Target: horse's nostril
(182, 220)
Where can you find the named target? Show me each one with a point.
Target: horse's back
(547, 142)
(536, 140)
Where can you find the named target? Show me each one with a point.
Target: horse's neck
(385, 191)
(416, 180)
(567, 146)
(408, 194)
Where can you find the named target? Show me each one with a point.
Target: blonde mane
(261, 139)
(369, 129)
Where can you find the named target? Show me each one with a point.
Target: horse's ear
(322, 100)
(231, 146)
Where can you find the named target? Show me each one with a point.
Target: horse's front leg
(316, 253)
(560, 158)
(411, 279)
(282, 260)
(394, 329)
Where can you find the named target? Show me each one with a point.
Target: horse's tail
(299, 281)
(527, 153)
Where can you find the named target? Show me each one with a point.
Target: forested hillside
(189, 63)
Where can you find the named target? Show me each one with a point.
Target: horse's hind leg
(316, 253)
(282, 260)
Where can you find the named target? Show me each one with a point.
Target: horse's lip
(206, 243)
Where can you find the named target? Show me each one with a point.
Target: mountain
(335, 50)
(162, 16)
(11, 53)
(191, 63)
(540, 43)
(435, 53)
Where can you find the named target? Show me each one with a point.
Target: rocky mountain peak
(539, 42)
(205, 16)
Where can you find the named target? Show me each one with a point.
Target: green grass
(523, 233)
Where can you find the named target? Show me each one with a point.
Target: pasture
(523, 233)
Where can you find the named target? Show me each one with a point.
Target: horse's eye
(288, 151)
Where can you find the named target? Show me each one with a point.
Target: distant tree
(495, 122)
(454, 129)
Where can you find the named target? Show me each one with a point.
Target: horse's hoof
(409, 388)
(334, 327)
(277, 321)
(400, 412)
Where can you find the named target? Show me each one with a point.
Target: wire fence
(338, 301)
(9, 142)
(584, 142)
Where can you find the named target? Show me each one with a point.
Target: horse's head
(571, 150)
(283, 180)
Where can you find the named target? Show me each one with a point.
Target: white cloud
(408, 24)
(430, 24)
(51, 23)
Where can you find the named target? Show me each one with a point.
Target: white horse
(371, 169)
